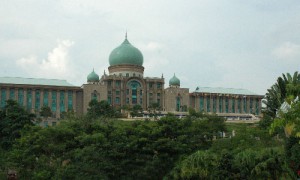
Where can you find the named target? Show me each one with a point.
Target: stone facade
(176, 99)
(125, 85)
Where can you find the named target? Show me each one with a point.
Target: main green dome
(174, 81)
(126, 54)
(93, 77)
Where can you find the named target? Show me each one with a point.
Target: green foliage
(285, 86)
(292, 149)
(13, 118)
(288, 122)
(200, 165)
(269, 163)
(100, 109)
(136, 110)
(46, 112)
(97, 149)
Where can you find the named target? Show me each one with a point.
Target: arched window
(178, 103)
(94, 95)
(134, 86)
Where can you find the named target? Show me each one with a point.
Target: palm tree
(285, 87)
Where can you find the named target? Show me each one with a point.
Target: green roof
(34, 81)
(126, 54)
(174, 81)
(221, 90)
(93, 77)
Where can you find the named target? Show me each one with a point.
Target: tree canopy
(13, 118)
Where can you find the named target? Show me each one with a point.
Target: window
(94, 95)
(233, 105)
(117, 100)
(109, 99)
(150, 85)
(239, 105)
(251, 105)
(127, 91)
(158, 85)
(220, 104)
(3, 97)
(214, 104)
(37, 99)
(226, 104)
(29, 99)
(257, 106)
(12, 94)
(118, 83)
(20, 96)
(53, 98)
(207, 104)
(245, 105)
(117, 92)
(70, 100)
(109, 92)
(177, 103)
(158, 94)
(127, 74)
(109, 83)
(201, 103)
(46, 98)
(134, 85)
(127, 100)
(62, 101)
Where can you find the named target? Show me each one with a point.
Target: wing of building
(125, 84)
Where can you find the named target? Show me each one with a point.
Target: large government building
(125, 84)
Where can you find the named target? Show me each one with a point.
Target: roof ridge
(34, 78)
(221, 87)
(35, 81)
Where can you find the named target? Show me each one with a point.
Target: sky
(208, 43)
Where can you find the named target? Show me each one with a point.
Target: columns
(74, 100)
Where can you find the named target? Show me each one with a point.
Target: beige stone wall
(89, 89)
(126, 70)
(170, 95)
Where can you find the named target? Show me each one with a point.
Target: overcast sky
(210, 43)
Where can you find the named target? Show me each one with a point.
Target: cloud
(287, 51)
(57, 64)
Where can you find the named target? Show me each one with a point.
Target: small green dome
(126, 54)
(93, 77)
(174, 81)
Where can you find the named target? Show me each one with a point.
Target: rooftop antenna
(126, 34)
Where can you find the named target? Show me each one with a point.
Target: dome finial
(174, 81)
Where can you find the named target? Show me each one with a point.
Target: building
(125, 84)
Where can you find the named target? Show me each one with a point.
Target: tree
(46, 112)
(100, 109)
(153, 109)
(200, 165)
(136, 110)
(13, 118)
(284, 87)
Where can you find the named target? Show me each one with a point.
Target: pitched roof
(221, 90)
(34, 81)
